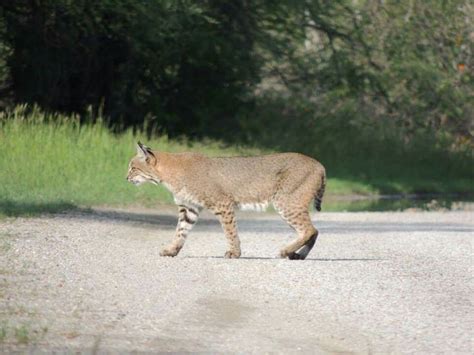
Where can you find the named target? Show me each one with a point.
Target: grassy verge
(402, 186)
(49, 164)
(52, 164)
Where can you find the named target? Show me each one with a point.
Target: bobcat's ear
(144, 151)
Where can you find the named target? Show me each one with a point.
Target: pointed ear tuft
(141, 151)
(144, 151)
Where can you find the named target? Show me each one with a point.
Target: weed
(3, 333)
(22, 335)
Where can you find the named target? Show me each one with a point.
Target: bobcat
(288, 180)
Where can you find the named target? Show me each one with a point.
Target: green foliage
(409, 62)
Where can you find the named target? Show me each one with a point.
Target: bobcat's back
(246, 181)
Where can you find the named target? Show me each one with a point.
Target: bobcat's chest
(184, 197)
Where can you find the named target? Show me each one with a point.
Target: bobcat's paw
(291, 256)
(232, 254)
(168, 252)
(295, 256)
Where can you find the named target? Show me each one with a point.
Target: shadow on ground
(11, 208)
(255, 222)
(246, 223)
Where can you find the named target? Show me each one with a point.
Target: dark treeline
(373, 81)
(188, 65)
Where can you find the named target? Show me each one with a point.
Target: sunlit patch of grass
(51, 164)
(337, 186)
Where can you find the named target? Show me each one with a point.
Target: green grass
(53, 164)
(22, 335)
(50, 164)
(401, 186)
(339, 186)
(3, 333)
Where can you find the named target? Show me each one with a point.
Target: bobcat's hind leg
(299, 220)
(229, 225)
(187, 217)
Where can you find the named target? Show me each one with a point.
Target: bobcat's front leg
(229, 225)
(187, 217)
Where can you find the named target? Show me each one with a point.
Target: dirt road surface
(375, 282)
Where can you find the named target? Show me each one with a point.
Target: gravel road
(375, 282)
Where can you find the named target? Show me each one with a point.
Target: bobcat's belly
(244, 198)
(253, 206)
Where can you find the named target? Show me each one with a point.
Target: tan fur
(289, 181)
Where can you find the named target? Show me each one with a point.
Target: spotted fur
(289, 181)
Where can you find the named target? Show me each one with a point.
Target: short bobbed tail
(318, 198)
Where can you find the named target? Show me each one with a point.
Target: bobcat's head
(141, 167)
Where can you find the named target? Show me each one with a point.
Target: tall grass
(48, 163)
(52, 162)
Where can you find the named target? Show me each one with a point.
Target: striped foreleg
(187, 217)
